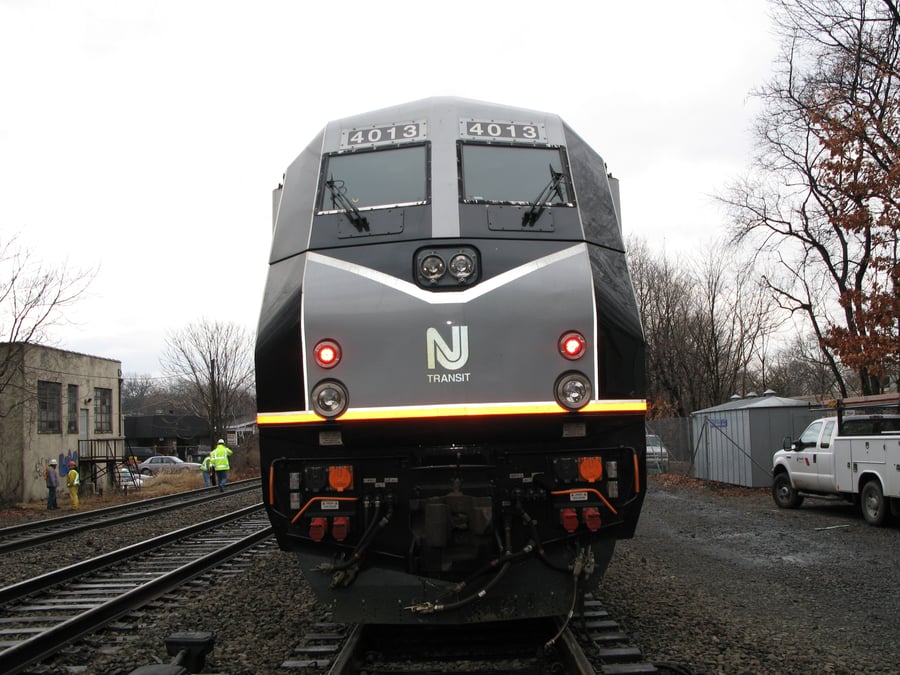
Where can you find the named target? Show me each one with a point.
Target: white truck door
(803, 471)
(843, 473)
(892, 477)
(823, 458)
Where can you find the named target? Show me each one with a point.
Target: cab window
(827, 434)
(859, 427)
(889, 426)
(498, 174)
(373, 179)
(811, 435)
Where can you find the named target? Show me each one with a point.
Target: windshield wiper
(339, 201)
(538, 205)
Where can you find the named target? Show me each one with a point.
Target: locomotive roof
(451, 105)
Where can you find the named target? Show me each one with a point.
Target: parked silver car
(158, 463)
(657, 455)
(129, 479)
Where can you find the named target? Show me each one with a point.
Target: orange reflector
(340, 527)
(317, 528)
(590, 469)
(568, 519)
(340, 477)
(591, 518)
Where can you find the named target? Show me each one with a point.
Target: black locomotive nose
(449, 366)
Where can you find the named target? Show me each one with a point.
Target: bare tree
(799, 369)
(33, 299)
(822, 198)
(663, 293)
(707, 324)
(143, 394)
(212, 362)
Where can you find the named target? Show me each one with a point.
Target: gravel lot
(718, 580)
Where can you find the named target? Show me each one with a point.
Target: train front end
(449, 366)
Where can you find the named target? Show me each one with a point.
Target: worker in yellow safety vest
(209, 471)
(73, 480)
(219, 459)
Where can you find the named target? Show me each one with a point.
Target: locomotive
(450, 366)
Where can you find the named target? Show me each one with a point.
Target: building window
(72, 407)
(49, 407)
(103, 411)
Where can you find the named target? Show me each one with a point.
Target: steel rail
(81, 515)
(34, 649)
(61, 526)
(19, 590)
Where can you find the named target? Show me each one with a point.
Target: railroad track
(590, 644)
(55, 529)
(40, 616)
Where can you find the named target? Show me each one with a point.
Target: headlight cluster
(573, 389)
(446, 268)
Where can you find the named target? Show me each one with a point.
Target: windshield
(363, 180)
(498, 173)
(653, 440)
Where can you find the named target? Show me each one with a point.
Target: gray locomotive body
(450, 366)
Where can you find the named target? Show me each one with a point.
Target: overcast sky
(144, 137)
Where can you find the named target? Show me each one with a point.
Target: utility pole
(214, 404)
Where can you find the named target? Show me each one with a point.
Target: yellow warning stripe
(470, 410)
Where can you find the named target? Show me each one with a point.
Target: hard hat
(53, 461)
(71, 463)
(221, 441)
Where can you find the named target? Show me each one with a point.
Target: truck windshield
(379, 178)
(507, 174)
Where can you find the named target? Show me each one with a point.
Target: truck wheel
(783, 492)
(871, 500)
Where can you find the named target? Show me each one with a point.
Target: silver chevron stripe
(455, 298)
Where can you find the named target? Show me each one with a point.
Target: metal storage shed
(734, 442)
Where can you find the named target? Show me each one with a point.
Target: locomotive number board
(507, 131)
(378, 135)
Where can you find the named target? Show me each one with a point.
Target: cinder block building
(56, 404)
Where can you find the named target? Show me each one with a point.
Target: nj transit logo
(451, 357)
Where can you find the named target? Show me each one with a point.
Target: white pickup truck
(856, 457)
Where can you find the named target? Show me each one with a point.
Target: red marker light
(572, 345)
(328, 353)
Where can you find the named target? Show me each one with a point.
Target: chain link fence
(675, 434)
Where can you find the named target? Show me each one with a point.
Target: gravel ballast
(717, 580)
(721, 580)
